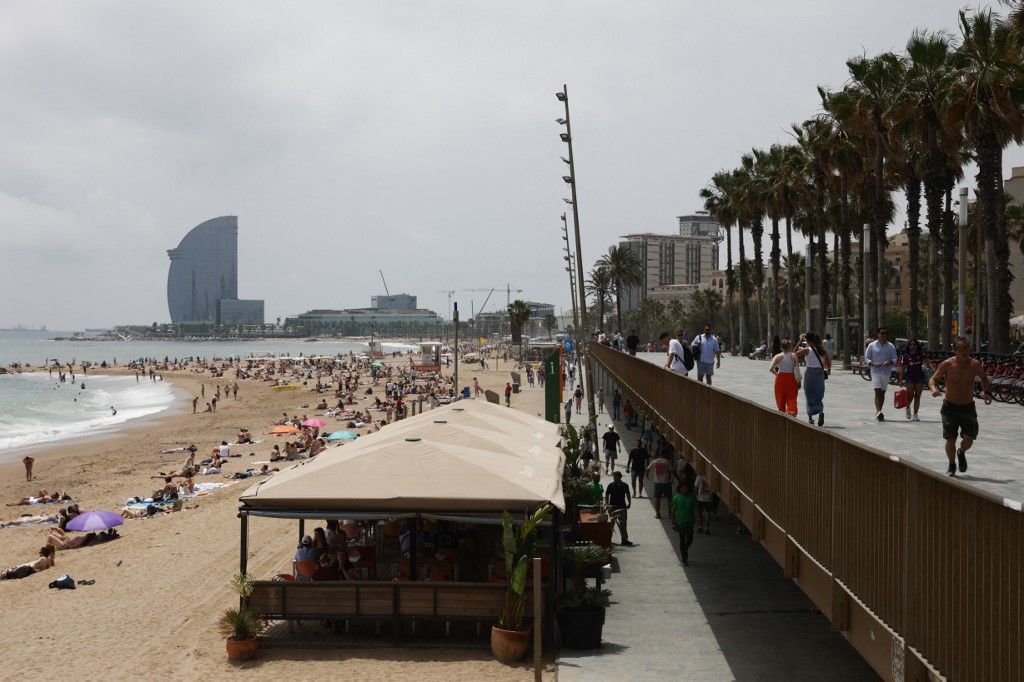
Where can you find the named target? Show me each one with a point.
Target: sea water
(37, 409)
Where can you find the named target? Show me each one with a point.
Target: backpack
(687, 357)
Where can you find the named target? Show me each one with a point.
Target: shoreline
(178, 405)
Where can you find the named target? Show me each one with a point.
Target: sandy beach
(160, 588)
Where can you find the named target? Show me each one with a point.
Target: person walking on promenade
(587, 448)
(568, 410)
(661, 469)
(684, 502)
(611, 448)
(632, 342)
(819, 366)
(594, 490)
(785, 368)
(508, 394)
(617, 497)
(636, 465)
(676, 358)
(912, 376)
(959, 413)
(880, 356)
(708, 353)
(705, 504)
(600, 398)
(616, 404)
(577, 397)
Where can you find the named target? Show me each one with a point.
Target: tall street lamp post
(961, 318)
(865, 249)
(584, 346)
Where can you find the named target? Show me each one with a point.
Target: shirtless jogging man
(958, 410)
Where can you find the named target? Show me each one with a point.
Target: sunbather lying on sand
(264, 470)
(150, 510)
(44, 562)
(42, 497)
(61, 540)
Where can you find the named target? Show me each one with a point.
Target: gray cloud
(409, 136)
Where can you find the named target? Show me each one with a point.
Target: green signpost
(553, 387)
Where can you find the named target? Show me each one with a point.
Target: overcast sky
(417, 137)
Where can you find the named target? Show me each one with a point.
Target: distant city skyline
(415, 138)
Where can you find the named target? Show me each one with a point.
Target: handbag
(797, 374)
(899, 399)
(824, 372)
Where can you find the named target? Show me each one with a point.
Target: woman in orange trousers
(783, 366)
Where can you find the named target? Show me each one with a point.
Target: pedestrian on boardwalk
(708, 353)
(959, 413)
(587, 447)
(637, 465)
(616, 404)
(784, 366)
(600, 398)
(568, 410)
(647, 435)
(577, 397)
(818, 367)
(880, 356)
(675, 361)
(661, 470)
(705, 504)
(629, 412)
(611, 448)
(508, 394)
(594, 491)
(617, 497)
(632, 342)
(684, 504)
(912, 376)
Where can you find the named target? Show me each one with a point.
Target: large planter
(509, 645)
(241, 649)
(581, 629)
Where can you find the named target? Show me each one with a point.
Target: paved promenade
(729, 615)
(995, 462)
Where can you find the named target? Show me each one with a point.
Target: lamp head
(561, 121)
(567, 178)
(560, 96)
(564, 136)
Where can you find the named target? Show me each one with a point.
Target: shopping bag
(899, 399)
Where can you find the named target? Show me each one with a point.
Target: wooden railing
(921, 573)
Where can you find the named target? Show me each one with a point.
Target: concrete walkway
(995, 463)
(729, 615)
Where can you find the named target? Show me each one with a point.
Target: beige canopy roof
(470, 456)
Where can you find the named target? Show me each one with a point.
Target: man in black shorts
(959, 413)
(617, 497)
(637, 465)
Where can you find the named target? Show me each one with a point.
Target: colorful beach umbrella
(317, 423)
(96, 520)
(282, 430)
(343, 435)
(377, 364)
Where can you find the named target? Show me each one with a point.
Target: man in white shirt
(880, 356)
(708, 352)
(674, 361)
(705, 504)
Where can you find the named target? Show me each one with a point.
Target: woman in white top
(818, 365)
(784, 367)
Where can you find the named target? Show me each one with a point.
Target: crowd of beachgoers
(347, 396)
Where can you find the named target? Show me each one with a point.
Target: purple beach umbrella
(99, 519)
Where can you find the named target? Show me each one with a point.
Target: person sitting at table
(348, 565)
(328, 568)
(306, 551)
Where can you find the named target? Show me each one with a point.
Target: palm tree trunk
(1004, 278)
(933, 183)
(913, 190)
(979, 249)
(877, 262)
(845, 271)
(730, 283)
(949, 240)
(790, 289)
(757, 231)
(819, 216)
(808, 281)
(988, 196)
(744, 300)
(773, 294)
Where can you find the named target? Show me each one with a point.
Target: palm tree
(873, 85)
(988, 89)
(705, 304)
(599, 285)
(718, 202)
(791, 181)
(550, 322)
(518, 315)
(755, 196)
(922, 108)
(624, 270)
(771, 169)
(739, 180)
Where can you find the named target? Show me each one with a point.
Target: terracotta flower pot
(241, 649)
(509, 645)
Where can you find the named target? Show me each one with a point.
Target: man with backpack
(680, 357)
(707, 351)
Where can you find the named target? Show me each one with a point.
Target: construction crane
(450, 293)
(385, 282)
(508, 293)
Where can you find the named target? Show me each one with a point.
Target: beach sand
(160, 587)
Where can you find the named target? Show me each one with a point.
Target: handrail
(922, 573)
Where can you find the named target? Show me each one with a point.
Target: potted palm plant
(509, 639)
(580, 610)
(241, 626)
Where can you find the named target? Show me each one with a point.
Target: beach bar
(456, 468)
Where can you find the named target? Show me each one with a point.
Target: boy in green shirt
(684, 502)
(595, 491)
